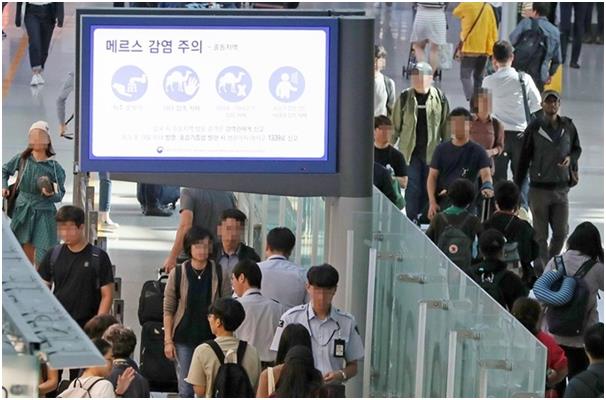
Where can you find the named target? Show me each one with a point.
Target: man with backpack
(590, 383)
(537, 45)
(226, 366)
(519, 234)
(455, 229)
(551, 152)
(458, 158)
(514, 98)
(385, 87)
(419, 121)
(79, 273)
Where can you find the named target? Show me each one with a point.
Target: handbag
(13, 189)
(457, 53)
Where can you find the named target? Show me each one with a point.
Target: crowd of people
(270, 326)
(453, 168)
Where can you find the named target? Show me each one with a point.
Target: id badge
(339, 350)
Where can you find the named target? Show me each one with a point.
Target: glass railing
(431, 331)
(304, 216)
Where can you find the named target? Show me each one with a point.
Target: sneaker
(108, 225)
(34, 81)
(3, 34)
(599, 40)
(575, 65)
(40, 80)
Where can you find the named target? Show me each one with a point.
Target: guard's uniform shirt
(260, 323)
(284, 281)
(334, 341)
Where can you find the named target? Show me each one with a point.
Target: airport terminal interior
(141, 243)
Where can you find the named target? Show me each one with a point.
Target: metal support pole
(370, 307)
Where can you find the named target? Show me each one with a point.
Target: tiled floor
(141, 243)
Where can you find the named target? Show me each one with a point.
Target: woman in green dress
(42, 185)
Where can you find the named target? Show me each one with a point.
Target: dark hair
(102, 345)
(229, 311)
(29, 150)
(507, 195)
(97, 325)
(491, 243)
(381, 120)
(293, 335)
(323, 276)
(528, 312)
(299, 378)
(594, 341)
(460, 112)
(543, 9)
(70, 214)
(233, 213)
(194, 235)
(461, 192)
(281, 239)
(380, 51)
(123, 340)
(502, 51)
(251, 272)
(586, 239)
(476, 96)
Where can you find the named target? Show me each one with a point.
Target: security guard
(335, 340)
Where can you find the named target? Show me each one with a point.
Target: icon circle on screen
(129, 83)
(287, 84)
(181, 83)
(234, 84)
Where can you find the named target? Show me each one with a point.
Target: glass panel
(491, 352)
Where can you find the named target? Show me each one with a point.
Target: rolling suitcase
(155, 367)
(488, 208)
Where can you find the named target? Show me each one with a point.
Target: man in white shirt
(262, 313)
(283, 281)
(385, 87)
(509, 90)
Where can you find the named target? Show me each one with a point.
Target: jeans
(472, 65)
(580, 9)
(511, 155)
(549, 208)
(105, 191)
(185, 352)
(416, 191)
(40, 26)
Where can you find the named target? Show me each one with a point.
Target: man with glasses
(336, 343)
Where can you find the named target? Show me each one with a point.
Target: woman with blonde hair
(39, 186)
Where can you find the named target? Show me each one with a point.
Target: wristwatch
(343, 375)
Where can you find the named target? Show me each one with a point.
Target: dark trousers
(511, 155)
(566, 29)
(577, 362)
(549, 209)
(589, 13)
(40, 25)
(472, 66)
(416, 191)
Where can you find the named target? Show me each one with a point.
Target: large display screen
(208, 94)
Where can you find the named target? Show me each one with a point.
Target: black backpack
(569, 319)
(455, 243)
(530, 51)
(491, 283)
(232, 379)
(151, 300)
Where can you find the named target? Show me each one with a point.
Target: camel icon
(176, 78)
(232, 80)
